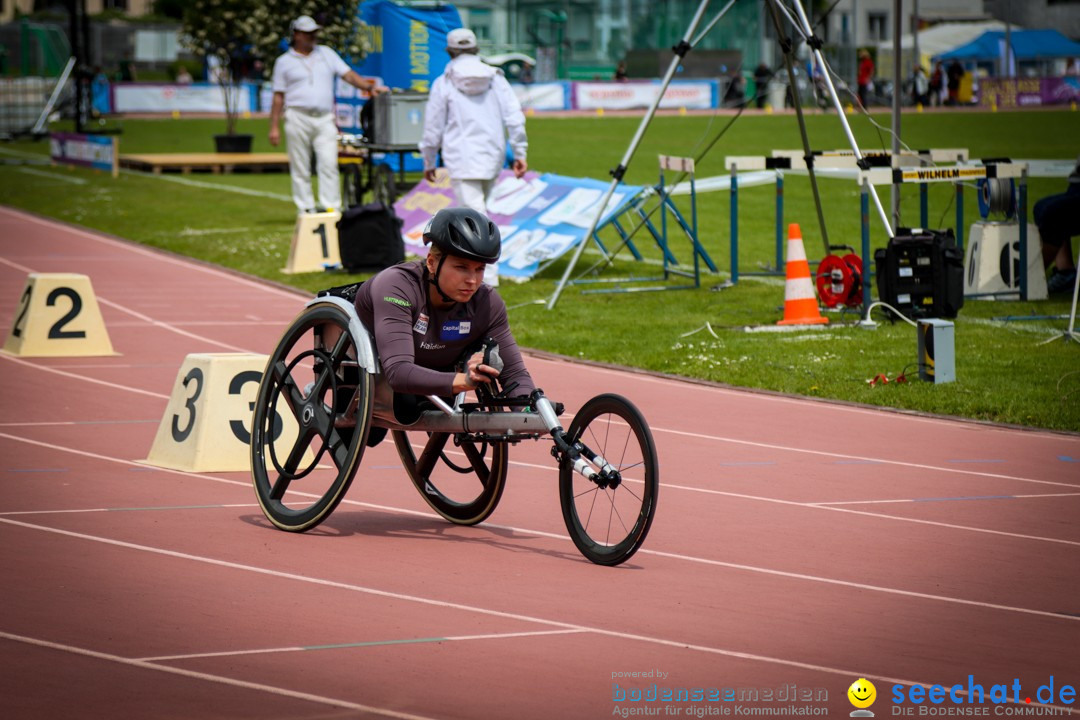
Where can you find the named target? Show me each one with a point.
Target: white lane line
(57, 371)
(883, 516)
(834, 503)
(488, 612)
(564, 538)
(162, 256)
(218, 679)
(210, 186)
(168, 326)
(556, 536)
(17, 266)
(861, 458)
(52, 176)
(632, 374)
(375, 643)
(198, 232)
(701, 436)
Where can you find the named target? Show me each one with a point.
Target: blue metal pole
(663, 219)
(779, 221)
(693, 221)
(864, 208)
(734, 226)
(924, 206)
(1023, 237)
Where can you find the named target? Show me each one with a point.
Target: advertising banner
(1012, 93)
(631, 95)
(410, 43)
(196, 97)
(543, 96)
(99, 152)
(540, 217)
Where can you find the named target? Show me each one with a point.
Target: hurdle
(671, 265)
(838, 163)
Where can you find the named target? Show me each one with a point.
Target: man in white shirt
(471, 111)
(303, 86)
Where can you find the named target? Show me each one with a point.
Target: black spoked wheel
(383, 185)
(311, 421)
(609, 523)
(460, 479)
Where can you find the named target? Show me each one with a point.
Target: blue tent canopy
(1026, 45)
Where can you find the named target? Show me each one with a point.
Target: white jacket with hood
(471, 111)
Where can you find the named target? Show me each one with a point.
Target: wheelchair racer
(427, 314)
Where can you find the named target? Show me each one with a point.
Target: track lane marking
(160, 255)
(565, 538)
(488, 612)
(692, 384)
(217, 679)
(85, 378)
(655, 429)
(372, 643)
(541, 533)
(859, 458)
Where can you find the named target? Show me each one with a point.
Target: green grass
(1004, 373)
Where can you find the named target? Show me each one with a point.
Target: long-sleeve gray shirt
(419, 344)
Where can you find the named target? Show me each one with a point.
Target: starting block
(207, 423)
(993, 261)
(58, 316)
(314, 243)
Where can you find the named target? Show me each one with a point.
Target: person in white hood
(471, 112)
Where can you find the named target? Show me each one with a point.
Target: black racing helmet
(465, 233)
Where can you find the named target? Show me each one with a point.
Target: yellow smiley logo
(862, 693)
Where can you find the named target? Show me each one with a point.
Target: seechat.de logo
(862, 695)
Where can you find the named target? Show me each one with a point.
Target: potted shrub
(239, 40)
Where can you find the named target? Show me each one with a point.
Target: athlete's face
(460, 278)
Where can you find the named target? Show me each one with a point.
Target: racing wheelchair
(323, 400)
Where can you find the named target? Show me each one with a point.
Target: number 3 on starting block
(207, 424)
(58, 316)
(314, 244)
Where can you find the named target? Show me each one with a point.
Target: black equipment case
(921, 273)
(369, 238)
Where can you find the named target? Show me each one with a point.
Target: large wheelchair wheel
(608, 524)
(311, 420)
(460, 479)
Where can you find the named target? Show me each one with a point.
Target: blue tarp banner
(541, 217)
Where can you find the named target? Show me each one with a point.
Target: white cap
(305, 23)
(461, 39)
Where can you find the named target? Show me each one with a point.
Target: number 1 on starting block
(314, 243)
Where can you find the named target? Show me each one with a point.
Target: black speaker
(921, 273)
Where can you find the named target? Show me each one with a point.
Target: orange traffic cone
(800, 302)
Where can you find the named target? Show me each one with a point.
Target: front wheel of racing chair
(312, 415)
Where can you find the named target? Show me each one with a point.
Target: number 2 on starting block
(58, 316)
(314, 244)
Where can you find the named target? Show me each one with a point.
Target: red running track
(798, 545)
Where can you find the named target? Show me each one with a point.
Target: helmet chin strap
(434, 280)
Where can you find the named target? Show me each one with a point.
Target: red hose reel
(840, 280)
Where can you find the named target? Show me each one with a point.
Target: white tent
(932, 41)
